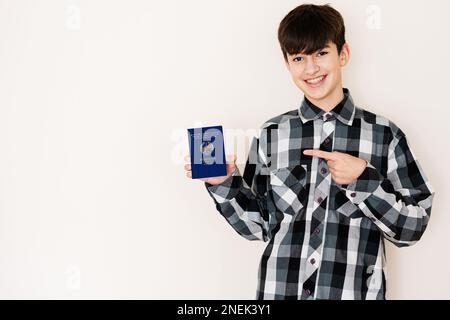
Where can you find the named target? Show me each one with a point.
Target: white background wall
(95, 99)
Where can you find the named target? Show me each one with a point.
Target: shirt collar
(344, 111)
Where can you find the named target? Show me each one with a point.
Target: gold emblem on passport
(207, 147)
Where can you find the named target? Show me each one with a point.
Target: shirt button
(312, 261)
(353, 194)
(319, 200)
(307, 292)
(323, 170)
(327, 140)
(373, 219)
(317, 231)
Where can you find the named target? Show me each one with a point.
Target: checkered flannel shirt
(326, 240)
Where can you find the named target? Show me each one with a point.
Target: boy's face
(319, 75)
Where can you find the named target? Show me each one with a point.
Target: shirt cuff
(228, 189)
(362, 187)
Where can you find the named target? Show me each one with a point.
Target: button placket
(321, 192)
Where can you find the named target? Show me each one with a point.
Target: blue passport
(207, 152)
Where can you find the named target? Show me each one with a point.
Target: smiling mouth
(316, 82)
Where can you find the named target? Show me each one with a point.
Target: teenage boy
(325, 183)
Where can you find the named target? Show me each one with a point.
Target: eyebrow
(296, 54)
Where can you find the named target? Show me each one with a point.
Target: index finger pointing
(320, 153)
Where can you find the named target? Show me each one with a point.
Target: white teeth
(315, 80)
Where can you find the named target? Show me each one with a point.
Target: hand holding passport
(207, 160)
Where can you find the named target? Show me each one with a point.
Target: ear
(344, 57)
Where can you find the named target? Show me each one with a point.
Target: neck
(330, 101)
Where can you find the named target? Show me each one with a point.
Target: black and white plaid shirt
(325, 240)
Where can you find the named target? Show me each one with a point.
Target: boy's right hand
(231, 166)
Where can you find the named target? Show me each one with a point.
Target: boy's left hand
(343, 167)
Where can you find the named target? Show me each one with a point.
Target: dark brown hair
(308, 28)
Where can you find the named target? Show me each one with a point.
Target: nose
(311, 66)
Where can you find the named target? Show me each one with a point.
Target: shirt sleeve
(400, 204)
(242, 200)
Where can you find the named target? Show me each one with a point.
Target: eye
(322, 53)
(297, 59)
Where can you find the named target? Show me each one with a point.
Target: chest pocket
(346, 207)
(288, 188)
